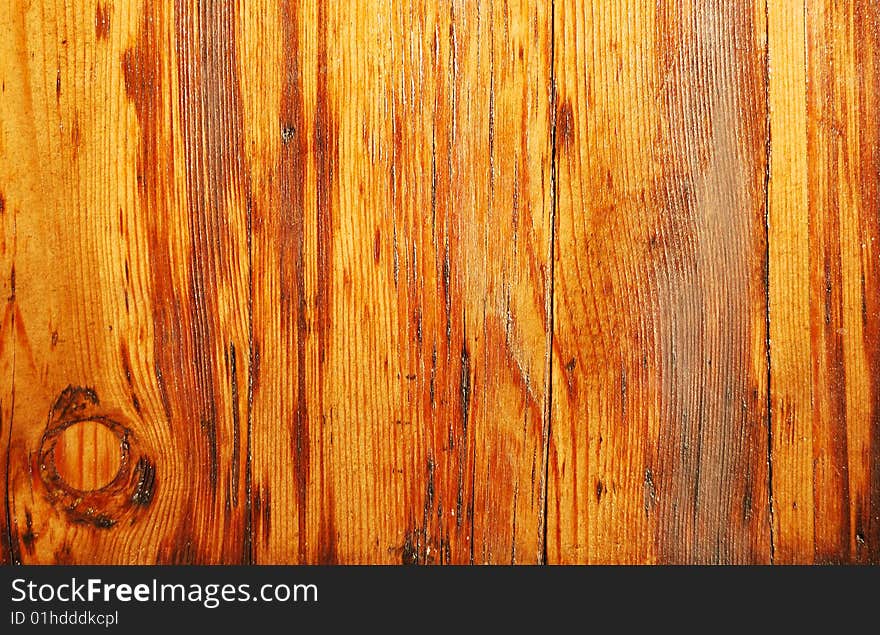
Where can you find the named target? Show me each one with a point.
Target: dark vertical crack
(551, 247)
(248, 543)
(14, 556)
(235, 469)
(767, 264)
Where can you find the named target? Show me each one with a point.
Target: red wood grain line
(291, 236)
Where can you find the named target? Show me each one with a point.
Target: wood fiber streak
(439, 281)
(825, 272)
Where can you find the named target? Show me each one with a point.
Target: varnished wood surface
(502, 281)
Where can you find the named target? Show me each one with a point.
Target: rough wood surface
(659, 426)
(825, 281)
(502, 281)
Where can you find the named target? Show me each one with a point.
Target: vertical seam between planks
(768, 150)
(551, 248)
(248, 549)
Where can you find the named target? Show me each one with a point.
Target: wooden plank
(292, 282)
(291, 264)
(659, 430)
(825, 320)
(419, 382)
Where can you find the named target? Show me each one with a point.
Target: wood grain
(824, 265)
(438, 282)
(399, 258)
(293, 257)
(659, 443)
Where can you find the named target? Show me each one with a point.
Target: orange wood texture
(497, 281)
(824, 277)
(659, 428)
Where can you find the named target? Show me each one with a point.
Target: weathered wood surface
(825, 281)
(525, 281)
(659, 443)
